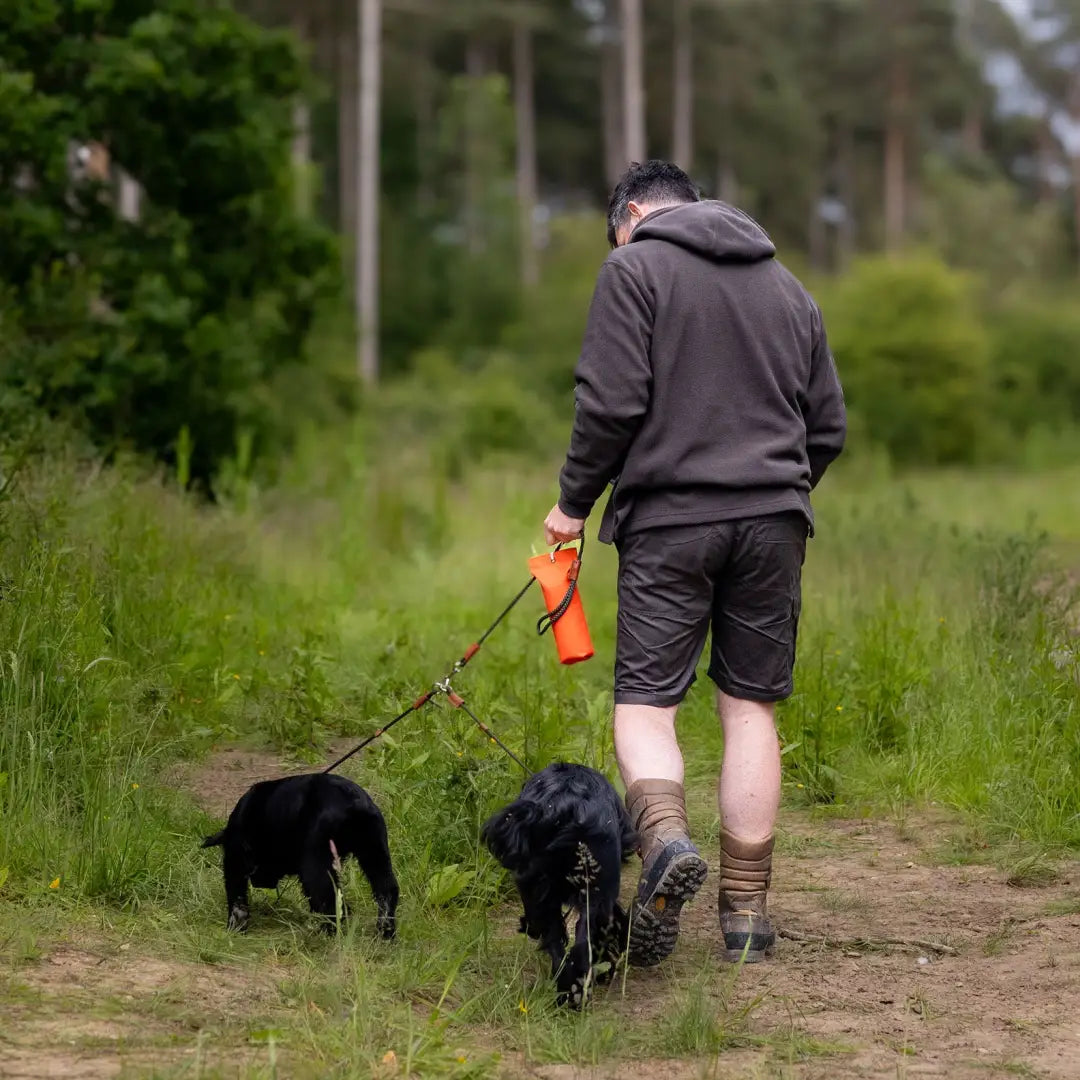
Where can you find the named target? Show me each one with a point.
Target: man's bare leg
(749, 801)
(651, 766)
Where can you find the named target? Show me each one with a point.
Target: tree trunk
(525, 115)
(845, 174)
(347, 146)
(727, 183)
(971, 127)
(475, 69)
(301, 143)
(1074, 158)
(633, 81)
(129, 196)
(682, 120)
(896, 153)
(1045, 157)
(367, 189)
(611, 105)
(301, 156)
(424, 101)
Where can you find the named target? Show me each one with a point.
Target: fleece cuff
(575, 509)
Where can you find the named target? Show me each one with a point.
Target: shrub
(187, 315)
(913, 358)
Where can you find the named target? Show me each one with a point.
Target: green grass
(139, 629)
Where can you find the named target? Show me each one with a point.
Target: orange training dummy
(557, 573)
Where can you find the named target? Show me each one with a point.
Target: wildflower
(262, 652)
(389, 1058)
(839, 708)
(942, 620)
(55, 883)
(134, 787)
(461, 1059)
(800, 785)
(522, 1007)
(236, 676)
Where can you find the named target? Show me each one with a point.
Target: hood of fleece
(711, 228)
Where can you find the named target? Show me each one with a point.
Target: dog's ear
(507, 834)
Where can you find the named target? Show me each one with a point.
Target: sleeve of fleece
(614, 382)
(825, 415)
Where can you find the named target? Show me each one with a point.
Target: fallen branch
(867, 943)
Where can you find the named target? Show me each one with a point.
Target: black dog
(565, 839)
(305, 825)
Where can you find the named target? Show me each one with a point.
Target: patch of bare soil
(1002, 1000)
(218, 781)
(100, 1012)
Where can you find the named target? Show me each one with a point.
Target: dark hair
(658, 182)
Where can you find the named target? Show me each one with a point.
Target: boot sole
(654, 927)
(748, 956)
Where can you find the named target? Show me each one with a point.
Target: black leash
(455, 699)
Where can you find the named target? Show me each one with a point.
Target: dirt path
(1002, 1000)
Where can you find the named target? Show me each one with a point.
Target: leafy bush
(1035, 363)
(913, 357)
(188, 315)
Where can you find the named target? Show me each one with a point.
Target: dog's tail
(216, 840)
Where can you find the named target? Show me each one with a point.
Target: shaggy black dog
(565, 839)
(305, 825)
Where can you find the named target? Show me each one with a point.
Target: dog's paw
(238, 918)
(574, 996)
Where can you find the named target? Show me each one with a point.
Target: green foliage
(1035, 362)
(981, 225)
(913, 358)
(188, 315)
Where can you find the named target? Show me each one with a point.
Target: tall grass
(936, 659)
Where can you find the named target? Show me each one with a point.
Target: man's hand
(558, 528)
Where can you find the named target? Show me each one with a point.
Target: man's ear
(635, 210)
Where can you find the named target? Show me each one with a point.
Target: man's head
(643, 189)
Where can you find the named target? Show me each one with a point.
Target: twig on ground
(867, 943)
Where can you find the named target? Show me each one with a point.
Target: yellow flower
(389, 1058)
(236, 676)
(55, 883)
(839, 708)
(461, 1059)
(262, 652)
(522, 1007)
(134, 787)
(800, 785)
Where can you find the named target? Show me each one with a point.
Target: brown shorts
(741, 578)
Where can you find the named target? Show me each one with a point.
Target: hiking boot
(745, 873)
(672, 869)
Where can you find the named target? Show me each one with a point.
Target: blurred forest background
(222, 225)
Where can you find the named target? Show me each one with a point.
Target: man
(706, 393)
